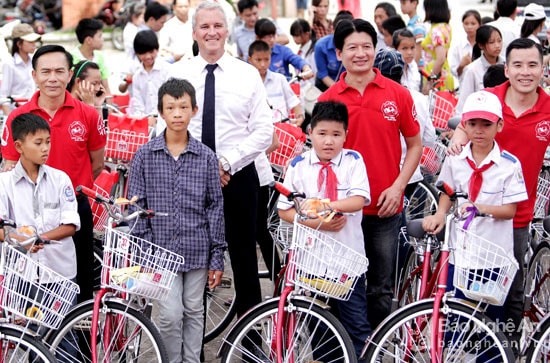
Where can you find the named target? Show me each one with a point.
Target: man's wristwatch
(225, 164)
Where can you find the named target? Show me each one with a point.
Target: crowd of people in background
(236, 66)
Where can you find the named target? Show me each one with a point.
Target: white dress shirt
(128, 35)
(17, 80)
(243, 118)
(457, 52)
(46, 204)
(280, 97)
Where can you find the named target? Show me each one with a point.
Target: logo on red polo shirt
(5, 136)
(77, 130)
(390, 111)
(543, 130)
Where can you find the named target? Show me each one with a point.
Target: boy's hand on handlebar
(335, 224)
(433, 224)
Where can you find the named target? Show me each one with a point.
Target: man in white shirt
(175, 37)
(242, 130)
(506, 23)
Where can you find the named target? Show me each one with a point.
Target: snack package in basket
(137, 282)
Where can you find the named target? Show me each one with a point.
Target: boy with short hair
(390, 26)
(89, 33)
(177, 174)
(38, 195)
(416, 26)
(280, 96)
(492, 177)
(149, 76)
(345, 183)
(281, 56)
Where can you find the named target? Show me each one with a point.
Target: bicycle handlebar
(81, 189)
(454, 195)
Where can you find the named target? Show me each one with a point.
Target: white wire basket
(42, 301)
(432, 158)
(543, 198)
(134, 265)
(99, 213)
(483, 269)
(441, 110)
(324, 265)
(122, 145)
(289, 147)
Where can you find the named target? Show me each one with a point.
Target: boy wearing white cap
(492, 178)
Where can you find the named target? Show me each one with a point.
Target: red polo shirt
(75, 130)
(527, 137)
(376, 120)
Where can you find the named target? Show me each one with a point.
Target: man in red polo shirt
(380, 110)
(526, 134)
(77, 142)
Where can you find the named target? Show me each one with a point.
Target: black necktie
(209, 109)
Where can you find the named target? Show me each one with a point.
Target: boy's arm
(505, 211)
(57, 234)
(69, 221)
(216, 222)
(458, 140)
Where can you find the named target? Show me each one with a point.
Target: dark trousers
(240, 198)
(263, 237)
(84, 244)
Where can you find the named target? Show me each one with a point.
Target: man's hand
(224, 176)
(214, 278)
(389, 201)
(9, 165)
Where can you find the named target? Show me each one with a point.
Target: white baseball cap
(484, 105)
(534, 12)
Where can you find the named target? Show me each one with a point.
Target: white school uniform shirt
(45, 205)
(280, 97)
(457, 52)
(17, 80)
(472, 80)
(411, 76)
(348, 165)
(144, 100)
(244, 126)
(502, 184)
(177, 36)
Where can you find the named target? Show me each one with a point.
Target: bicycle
(447, 329)
(297, 326)
(27, 303)
(114, 325)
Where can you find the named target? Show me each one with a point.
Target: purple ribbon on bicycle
(472, 210)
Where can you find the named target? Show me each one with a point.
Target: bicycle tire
(145, 344)
(220, 309)
(539, 347)
(408, 290)
(241, 344)
(17, 346)
(117, 38)
(539, 265)
(422, 202)
(399, 339)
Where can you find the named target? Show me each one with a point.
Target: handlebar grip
(280, 188)
(7, 223)
(445, 188)
(81, 189)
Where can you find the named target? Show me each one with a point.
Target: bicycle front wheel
(317, 336)
(422, 202)
(124, 335)
(539, 347)
(466, 336)
(20, 347)
(537, 284)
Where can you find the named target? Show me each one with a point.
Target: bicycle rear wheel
(318, 336)
(16, 346)
(468, 336)
(537, 283)
(408, 288)
(422, 202)
(134, 338)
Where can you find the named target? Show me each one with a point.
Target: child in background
(34, 194)
(492, 177)
(320, 24)
(280, 96)
(149, 76)
(404, 42)
(85, 84)
(90, 36)
(390, 26)
(281, 56)
(305, 37)
(416, 26)
(346, 184)
(460, 54)
(177, 174)
(486, 52)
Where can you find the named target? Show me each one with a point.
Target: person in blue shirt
(281, 56)
(329, 68)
